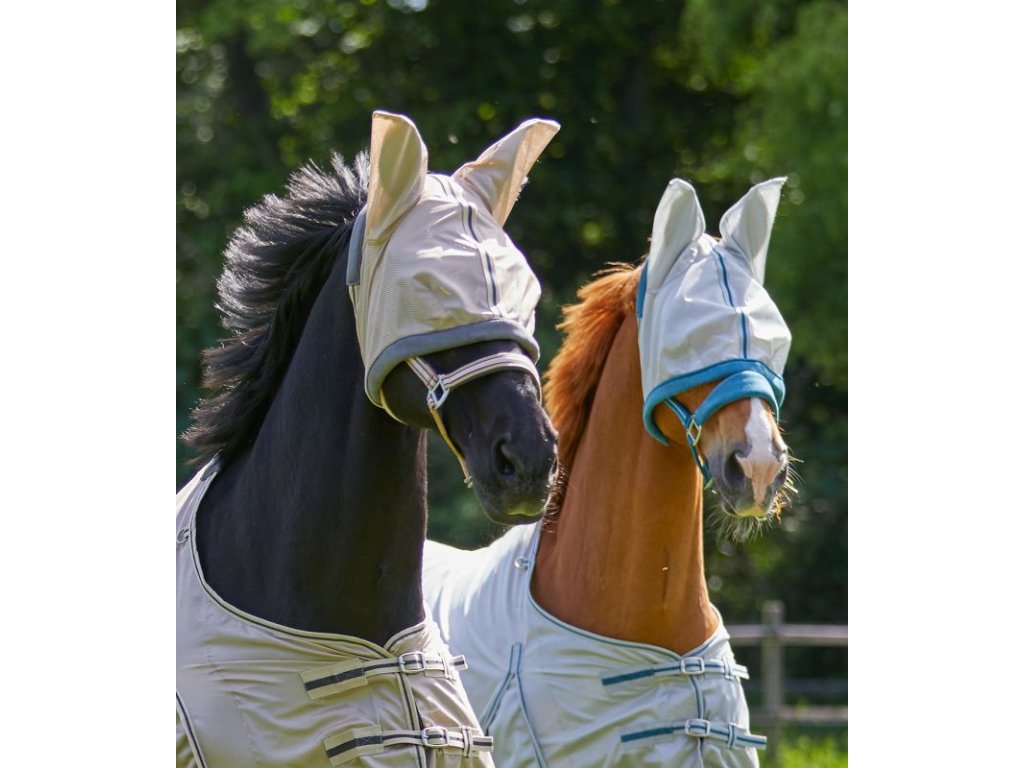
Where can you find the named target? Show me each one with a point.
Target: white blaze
(760, 464)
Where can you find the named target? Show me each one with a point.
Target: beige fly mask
(430, 267)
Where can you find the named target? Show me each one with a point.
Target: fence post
(772, 615)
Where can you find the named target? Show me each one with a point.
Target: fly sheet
(254, 693)
(554, 695)
(430, 267)
(703, 312)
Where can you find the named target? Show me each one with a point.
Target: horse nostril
(733, 473)
(505, 462)
(780, 478)
(523, 463)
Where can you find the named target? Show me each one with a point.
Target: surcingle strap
(359, 742)
(734, 736)
(337, 678)
(688, 665)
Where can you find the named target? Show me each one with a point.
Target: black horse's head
(444, 305)
(494, 424)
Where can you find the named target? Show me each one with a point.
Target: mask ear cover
(678, 222)
(500, 171)
(398, 171)
(747, 227)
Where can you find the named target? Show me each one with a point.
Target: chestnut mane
(571, 380)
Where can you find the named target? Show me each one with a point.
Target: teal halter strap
(738, 386)
(693, 430)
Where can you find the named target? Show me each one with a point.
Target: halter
(746, 383)
(739, 377)
(440, 385)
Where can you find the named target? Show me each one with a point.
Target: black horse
(315, 516)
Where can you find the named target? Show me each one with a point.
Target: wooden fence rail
(774, 636)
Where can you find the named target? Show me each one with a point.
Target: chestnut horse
(591, 637)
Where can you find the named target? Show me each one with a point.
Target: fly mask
(429, 266)
(703, 312)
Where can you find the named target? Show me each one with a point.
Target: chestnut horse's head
(712, 349)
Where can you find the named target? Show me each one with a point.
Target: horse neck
(624, 557)
(320, 525)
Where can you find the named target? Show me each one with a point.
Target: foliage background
(721, 94)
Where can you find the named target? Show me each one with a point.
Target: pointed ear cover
(678, 222)
(500, 171)
(398, 169)
(747, 226)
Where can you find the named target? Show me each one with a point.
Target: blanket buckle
(436, 737)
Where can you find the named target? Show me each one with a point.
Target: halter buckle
(693, 430)
(438, 392)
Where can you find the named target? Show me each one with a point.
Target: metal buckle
(416, 664)
(436, 737)
(435, 400)
(693, 432)
(703, 725)
(701, 668)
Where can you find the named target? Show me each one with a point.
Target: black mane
(274, 267)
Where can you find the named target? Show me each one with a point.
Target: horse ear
(678, 222)
(398, 170)
(747, 226)
(500, 171)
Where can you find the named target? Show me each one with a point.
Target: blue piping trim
(728, 293)
(733, 739)
(355, 249)
(725, 278)
(625, 678)
(666, 731)
(743, 331)
(517, 660)
(641, 291)
(469, 223)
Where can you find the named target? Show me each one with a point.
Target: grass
(810, 749)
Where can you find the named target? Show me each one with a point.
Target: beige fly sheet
(254, 693)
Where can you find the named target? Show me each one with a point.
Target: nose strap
(440, 385)
(739, 386)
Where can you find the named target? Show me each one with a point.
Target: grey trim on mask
(438, 341)
(355, 249)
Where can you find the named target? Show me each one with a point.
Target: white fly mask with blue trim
(430, 267)
(703, 312)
